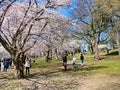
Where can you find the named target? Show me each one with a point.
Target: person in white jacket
(2, 66)
(74, 62)
(27, 65)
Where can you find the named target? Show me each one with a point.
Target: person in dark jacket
(64, 58)
(82, 59)
(6, 64)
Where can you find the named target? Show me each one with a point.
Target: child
(97, 58)
(74, 62)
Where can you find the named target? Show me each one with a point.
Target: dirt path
(57, 80)
(100, 82)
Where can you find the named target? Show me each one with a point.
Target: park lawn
(51, 73)
(41, 63)
(109, 64)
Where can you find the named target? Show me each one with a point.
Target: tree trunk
(57, 54)
(47, 56)
(91, 49)
(112, 47)
(19, 72)
(18, 66)
(119, 48)
(96, 51)
(118, 41)
(50, 53)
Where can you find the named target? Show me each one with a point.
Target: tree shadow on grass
(82, 70)
(90, 68)
(44, 75)
(50, 73)
(56, 72)
(87, 68)
(102, 58)
(114, 53)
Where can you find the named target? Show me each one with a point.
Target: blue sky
(65, 10)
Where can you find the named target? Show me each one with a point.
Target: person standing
(64, 58)
(2, 64)
(27, 65)
(6, 64)
(82, 59)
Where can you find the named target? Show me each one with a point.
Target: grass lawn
(108, 64)
(51, 76)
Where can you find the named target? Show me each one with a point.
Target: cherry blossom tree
(55, 30)
(19, 22)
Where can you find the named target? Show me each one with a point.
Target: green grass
(109, 64)
(41, 63)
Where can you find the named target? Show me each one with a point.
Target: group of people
(64, 58)
(81, 61)
(5, 63)
(26, 61)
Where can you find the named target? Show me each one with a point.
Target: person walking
(82, 60)
(64, 58)
(27, 65)
(74, 62)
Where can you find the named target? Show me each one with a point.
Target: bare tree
(91, 22)
(112, 8)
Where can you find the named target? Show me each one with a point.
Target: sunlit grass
(108, 64)
(41, 63)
